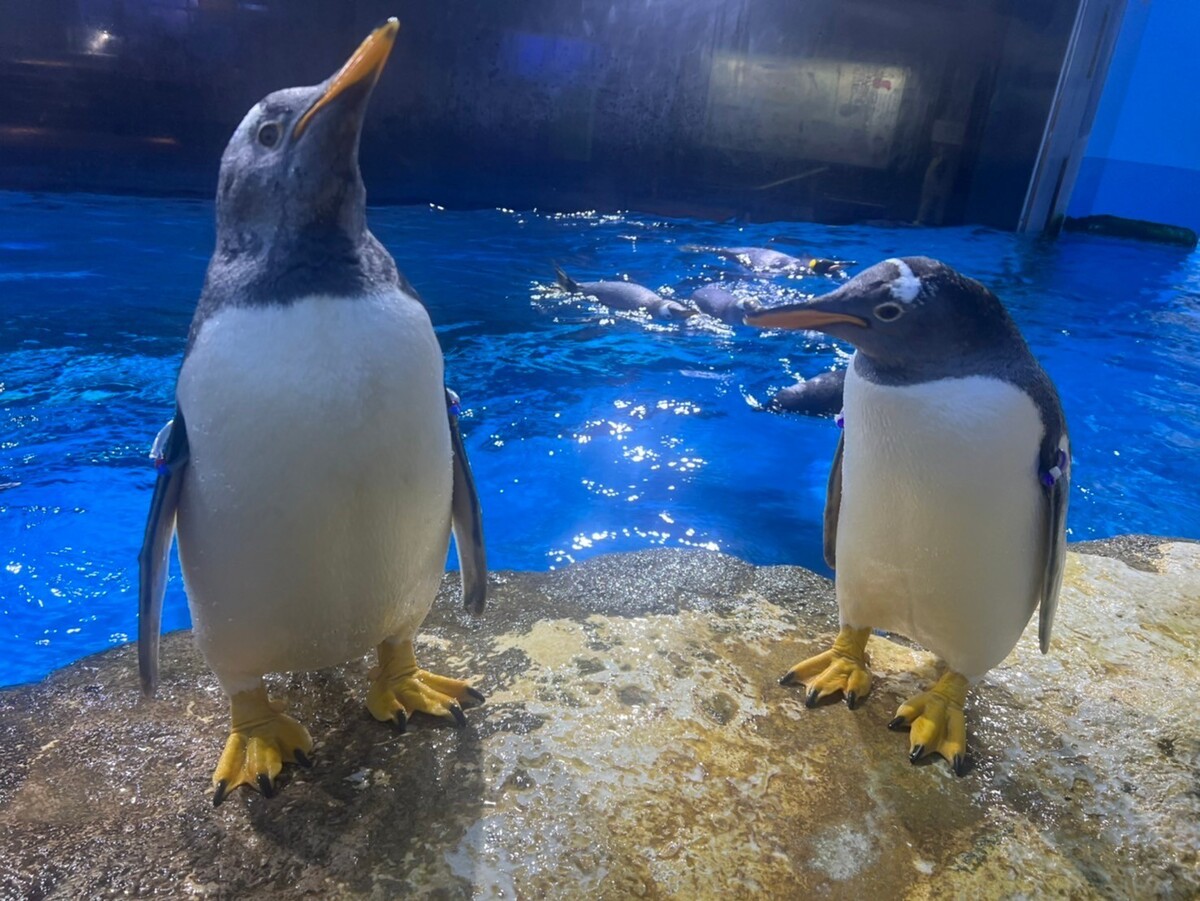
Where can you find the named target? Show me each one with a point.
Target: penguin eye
(888, 312)
(268, 134)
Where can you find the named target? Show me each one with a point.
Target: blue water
(588, 432)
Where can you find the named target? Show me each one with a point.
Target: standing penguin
(947, 501)
(313, 468)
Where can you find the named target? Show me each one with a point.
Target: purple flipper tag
(840, 419)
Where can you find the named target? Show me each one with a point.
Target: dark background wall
(834, 110)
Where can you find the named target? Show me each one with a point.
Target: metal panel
(1080, 84)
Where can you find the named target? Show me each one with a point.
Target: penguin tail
(565, 281)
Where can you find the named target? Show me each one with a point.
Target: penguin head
(673, 309)
(291, 166)
(904, 311)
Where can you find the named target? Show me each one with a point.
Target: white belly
(940, 529)
(315, 512)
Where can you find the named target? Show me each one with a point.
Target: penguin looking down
(313, 469)
(947, 500)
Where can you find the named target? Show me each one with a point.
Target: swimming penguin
(724, 305)
(947, 500)
(764, 260)
(626, 296)
(820, 395)
(313, 468)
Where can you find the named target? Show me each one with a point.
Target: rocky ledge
(635, 743)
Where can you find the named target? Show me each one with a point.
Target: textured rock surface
(635, 744)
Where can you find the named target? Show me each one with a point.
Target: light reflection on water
(590, 431)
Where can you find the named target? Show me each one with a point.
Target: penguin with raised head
(314, 468)
(947, 501)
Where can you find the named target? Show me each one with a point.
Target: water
(588, 432)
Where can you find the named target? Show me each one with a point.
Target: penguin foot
(399, 689)
(936, 722)
(261, 739)
(843, 668)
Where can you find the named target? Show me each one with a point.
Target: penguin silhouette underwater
(314, 468)
(947, 499)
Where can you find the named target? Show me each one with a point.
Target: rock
(635, 744)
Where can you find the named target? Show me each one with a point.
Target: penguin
(313, 470)
(765, 261)
(625, 296)
(724, 305)
(947, 499)
(820, 395)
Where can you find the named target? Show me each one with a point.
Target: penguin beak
(362, 68)
(809, 316)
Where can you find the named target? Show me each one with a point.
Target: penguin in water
(947, 501)
(724, 305)
(625, 296)
(765, 261)
(820, 395)
(313, 468)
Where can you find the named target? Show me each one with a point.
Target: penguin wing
(833, 504)
(466, 517)
(170, 454)
(1055, 525)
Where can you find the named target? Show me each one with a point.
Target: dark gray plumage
(625, 296)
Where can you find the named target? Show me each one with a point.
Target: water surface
(588, 432)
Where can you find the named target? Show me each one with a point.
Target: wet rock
(635, 743)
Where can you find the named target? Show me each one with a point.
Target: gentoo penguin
(723, 304)
(765, 261)
(625, 296)
(947, 501)
(819, 396)
(313, 468)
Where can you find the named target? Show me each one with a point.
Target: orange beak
(800, 316)
(364, 65)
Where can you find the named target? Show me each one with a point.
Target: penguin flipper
(833, 504)
(1055, 524)
(170, 454)
(466, 518)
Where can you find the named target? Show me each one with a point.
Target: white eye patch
(906, 286)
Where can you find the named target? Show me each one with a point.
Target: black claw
(474, 695)
(302, 758)
(959, 765)
(787, 678)
(851, 699)
(400, 721)
(917, 753)
(460, 718)
(811, 700)
(265, 786)
(219, 794)
(898, 723)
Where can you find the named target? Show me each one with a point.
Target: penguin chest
(939, 530)
(314, 516)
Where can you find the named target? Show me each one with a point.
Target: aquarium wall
(930, 110)
(1143, 157)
